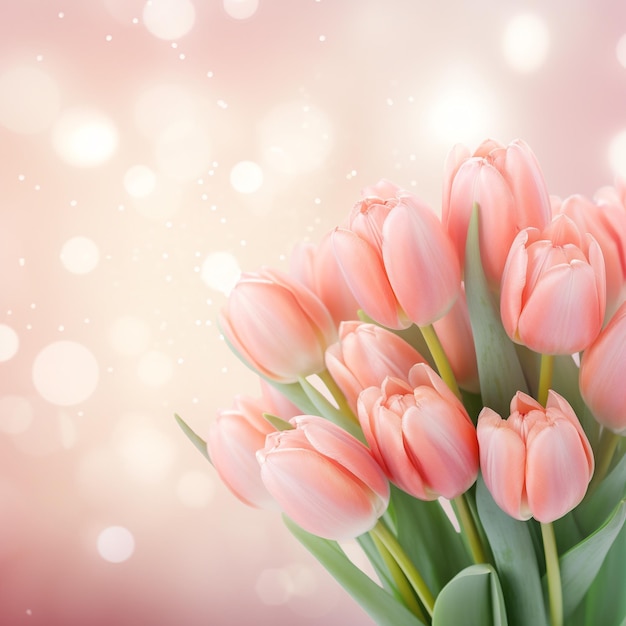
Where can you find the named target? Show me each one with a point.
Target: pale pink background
(324, 97)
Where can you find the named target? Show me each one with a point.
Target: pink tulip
(606, 222)
(278, 326)
(397, 260)
(420, 434)
(538, 462)
(553, 293)
(365, 355)
(603, 374)
(316, 268)
(324, 479)
(508, 186)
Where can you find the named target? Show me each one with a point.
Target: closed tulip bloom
(324, 479)
(538, 462)
(420, 434)
(553, 293)
(233, 440)
(277, 325)
(365, 355)
(603, 374)
(509, 188)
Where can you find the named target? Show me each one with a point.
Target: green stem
(440, 358)
(545, 378)
(555, 593)
(402, 584)
(395, 549)
(468, 527)
(604, 455)
(337, 394)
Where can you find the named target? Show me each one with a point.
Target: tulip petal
(513, 283)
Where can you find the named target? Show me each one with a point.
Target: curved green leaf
(472, 598)
(378, 603)
(195, 439)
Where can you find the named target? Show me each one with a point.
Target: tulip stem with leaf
(440, 358)
(468, 527)
(605, 452)
(553, 572)
(337, 394)
(545, 378)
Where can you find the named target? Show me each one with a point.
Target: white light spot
(617, 153)
(241, 9)
(220, 271)
(620, 51)
(65, 373)
(525, 43)
(30, 100)
(79, 255)
(155, 368)
(116, 544)
(84, 138)
(169, 19)
(129, 336)
(195, 489)
(16, 414)
(246, 177)
(139, 181)
(9, 343)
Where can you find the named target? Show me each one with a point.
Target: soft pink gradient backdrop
(365, 90)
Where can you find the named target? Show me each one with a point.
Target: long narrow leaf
(193, 437)
(380, 605)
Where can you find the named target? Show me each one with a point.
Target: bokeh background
(150, 151)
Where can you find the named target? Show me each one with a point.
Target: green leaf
(277, 422)
(472, 598)
(499, 370)
(516, 563)
(378, 603)
(580, 565)
(195, 439)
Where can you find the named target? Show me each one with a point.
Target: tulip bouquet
(450, 392)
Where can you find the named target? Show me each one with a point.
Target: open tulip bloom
(427, 400)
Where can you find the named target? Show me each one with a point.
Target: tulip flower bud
(538, 462)
(420, 434)
(553, 294)
(603, 373)
(365, 355)
(324, 479)
(277, 325)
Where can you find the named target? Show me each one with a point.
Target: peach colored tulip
(553, 293)
(364, 355)
(397, 260)
(538, 462)
(420, 434)
(279, 327)
(316, 268)
(324, 479)
(606, 222)
(509, 188)
(234, 438)
(603, 374)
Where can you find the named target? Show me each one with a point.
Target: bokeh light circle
(79, 255)
(9, 343)
(241, 9)
(129, 335)
(30, 100)
(139, 181)
(617, 154)
(220, 271)
(84, 137)
(525, 43)
(16, 414)
(169, 19)
(115, 544)
(65, 373)
(246, 177)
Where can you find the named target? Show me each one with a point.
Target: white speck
(209, 74)
(21, 262)
(73, 203)
(389, 101)
(39, 58)
(33, 306)
(174, 45)
(322, 37)
(61, 328)
(37, 187)
(109, 38)
(317, 201)
(135, 20)
(222, 104)
(61, 15)
(21, 177)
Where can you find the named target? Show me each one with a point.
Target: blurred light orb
(129, 335)
(195, 489)
(155, 368)
(620, 51)
(169, 19)
(84, 138)
(65, 373)
(79, 255)
(30, 100)
(139, 181)
(246, 177)
(220, 271)
(183, 152)
(115, 544)
(526, 42)
(16, 414)
(295, 138)
(617, 154)
(241, 9)
(9, 343)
